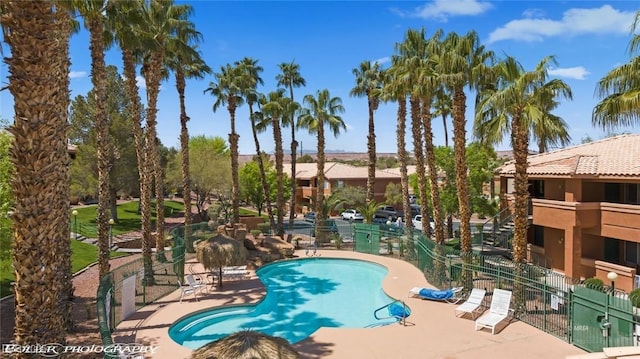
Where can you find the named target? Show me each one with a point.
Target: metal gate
(367, 238)
(600, 320)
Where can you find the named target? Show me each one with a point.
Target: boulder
(275, 244)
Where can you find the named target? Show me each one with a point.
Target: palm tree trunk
(263, 174)
(459, 148)
(520, 216)
(432, 176)
(402, 157)
(233, 144)
(158, 174)
(294, 149)
(34, 31)
(460, 154)
(371, 150)
(320, 183)
(277, 136)
(184, 149)
(416, 129)
(152, 76)
(101, 123)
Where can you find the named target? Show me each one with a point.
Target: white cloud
(442, 9)
(142, 84)
(578, 72)
(383, 60)
(77, 74)
(602, 20)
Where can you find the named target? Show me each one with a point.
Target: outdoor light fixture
(613, 276)
(111, 223)
(75, 223)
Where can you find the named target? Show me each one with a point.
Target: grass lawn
(82, 254)
(128, 217)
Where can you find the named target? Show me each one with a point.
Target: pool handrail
(401, 318)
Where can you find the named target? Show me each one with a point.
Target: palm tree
(443, 107)
(185, 64)
(318, 112)
(462, 62)
(396, 89)
(93, 13)
(227, 89)
(550, 130)
(515, 105)
(274, 108)
(121, 16)
(619, 90)
(290, 78)
(39, 31)
(369, 78)
(159, 21)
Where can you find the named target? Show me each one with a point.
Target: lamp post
(612, 277)
(111, 223)
(75, 223)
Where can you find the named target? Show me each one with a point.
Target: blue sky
(330, 38)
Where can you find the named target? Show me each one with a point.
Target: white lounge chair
(473, 304)
(187, 290)
(498, 311)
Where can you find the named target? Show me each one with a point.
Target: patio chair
(447, 295)
(196, 284)
(498, 311)
(473, 304)
(187, 290)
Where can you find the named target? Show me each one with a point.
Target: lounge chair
(498, 311)
(447, 295)
(187, 290)
(473, 304)
(232, 273)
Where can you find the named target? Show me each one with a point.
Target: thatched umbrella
(221, 251)
(247, 344)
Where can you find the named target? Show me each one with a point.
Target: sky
(328, 39)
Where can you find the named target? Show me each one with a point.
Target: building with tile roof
(337, 175)
(585, 208)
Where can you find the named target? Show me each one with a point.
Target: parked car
(412, 198)
(387, 212)
(351, 215)
(417, 223)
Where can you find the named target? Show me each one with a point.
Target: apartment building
(585, 208)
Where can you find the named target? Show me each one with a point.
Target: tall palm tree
(39, 31)
(186, 62)
(250, 72)
(290, 77)
(619, 90)
(227, 89)
(396, 89)
(94, 19)
(442, 106)
(369, 77)
(462, 62)
(513, 106)
(550, 130)
(275, 107)
(159, 21)
(318, 112)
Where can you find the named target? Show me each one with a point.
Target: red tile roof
(614, 156)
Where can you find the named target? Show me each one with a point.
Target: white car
(351, 215)
(417, 223)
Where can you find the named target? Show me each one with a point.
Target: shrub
(594, 283)
(264, 228)
(256, 232)
(634, 297)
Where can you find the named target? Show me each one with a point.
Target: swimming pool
(302, 296)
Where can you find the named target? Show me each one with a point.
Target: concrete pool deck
(432, 330)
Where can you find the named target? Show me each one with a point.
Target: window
(631, 251)
(538, 236)
(612, 192)
(327, 185)
(631, 193)
(339, 184)
(612, 250)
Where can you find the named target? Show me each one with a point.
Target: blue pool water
(302, 296)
